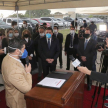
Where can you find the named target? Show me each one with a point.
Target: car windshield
(2, 22)
(33, 21)
(54, 19)
(20, 21)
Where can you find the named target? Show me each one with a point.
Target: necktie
(71, 40)
(49, 43)
(85, 44)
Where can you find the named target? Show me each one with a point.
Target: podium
(70, 95)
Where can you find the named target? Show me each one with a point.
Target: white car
(52, 21)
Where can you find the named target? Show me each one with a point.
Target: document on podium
(52, 82)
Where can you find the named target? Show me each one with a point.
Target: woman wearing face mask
(8, 37)
(26, 36)
(16, 33)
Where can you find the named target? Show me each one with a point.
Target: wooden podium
(69, 96)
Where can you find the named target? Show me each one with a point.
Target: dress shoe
(89, 87)
(61, 66)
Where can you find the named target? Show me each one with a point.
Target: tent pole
(17, 19)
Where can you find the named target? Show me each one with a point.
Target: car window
(58, 19)
(2, 23)
(46, 19)
(4, 20)
(9, 21)
(33, 21)
(20, 21)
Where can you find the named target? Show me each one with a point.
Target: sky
(6, 13)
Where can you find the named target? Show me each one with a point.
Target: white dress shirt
(26, 40)
(72, 40)
(47, 40)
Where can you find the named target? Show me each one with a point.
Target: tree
(38, 13)
(15, 15)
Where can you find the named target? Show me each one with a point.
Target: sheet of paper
(52, 82)
(76, 63)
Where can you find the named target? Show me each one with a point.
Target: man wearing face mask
(86, 52)
(16, 33)
(60, 38)
(25, 26)
(38, 58)
(71, 45)
(49, 50)
(17, 78)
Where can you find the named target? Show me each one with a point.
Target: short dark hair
(84, 20)
(13, 23)
(15, 43)
(49, 28)
(41, 27)
(87, 28)
(56, 27)
(92, 22)
(24, 21)
(44, 23)
(72, 27)
(81, 27)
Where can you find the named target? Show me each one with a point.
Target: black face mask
(26, 35)
(86, 35)
(0, 34)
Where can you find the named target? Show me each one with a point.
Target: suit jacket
(17, 82)
(89, 52)
(100, 77)
(67, 42)
(60, 38)
(45, 52)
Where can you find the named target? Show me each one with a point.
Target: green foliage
(38, 13)
(15, 15)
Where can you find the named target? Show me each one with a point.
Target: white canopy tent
(49, 4)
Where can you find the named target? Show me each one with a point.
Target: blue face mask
(10, 35)
(48, 35)
(24, 54)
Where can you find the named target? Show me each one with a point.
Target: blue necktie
(49, 43)
(85, 44)
(71, 40)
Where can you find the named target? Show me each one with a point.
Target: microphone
(27, 60)
(75, 62)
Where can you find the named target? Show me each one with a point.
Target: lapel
(52, 42)
(46, 44)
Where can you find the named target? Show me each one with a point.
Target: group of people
(43, 46)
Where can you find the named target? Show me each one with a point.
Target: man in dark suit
(49, 50)
(86, 51)
(71, 45)
(25, 26)
(38, 58)
(60, 38)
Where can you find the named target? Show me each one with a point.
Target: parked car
(41, 22)
(68, 19)
(9, 21)
(32, 23)
(65, 23)
(52, 21)
(3, 25)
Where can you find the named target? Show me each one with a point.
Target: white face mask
(72, 31)
(55, 31)
(24, 25)
(16, 34)
(42, 34)
(15, 26)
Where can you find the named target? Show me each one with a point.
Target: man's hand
(30, 58)
(28, 69)
(48, 60)
(83, 58)
(65, 53)
(84, 70)
(51, 60)
(1, 51)
(106, 42)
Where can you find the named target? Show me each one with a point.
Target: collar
(88, 39)
(14, 58)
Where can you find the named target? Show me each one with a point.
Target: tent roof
(50, 4)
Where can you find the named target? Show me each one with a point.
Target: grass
(64, 32)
